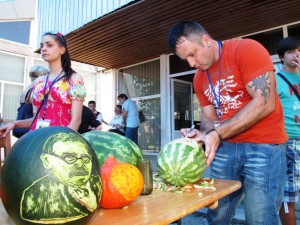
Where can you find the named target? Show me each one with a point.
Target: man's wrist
(219, 135)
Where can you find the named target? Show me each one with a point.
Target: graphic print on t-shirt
(224, 89)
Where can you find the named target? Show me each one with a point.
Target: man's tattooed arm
(262, 90)
(262, 85)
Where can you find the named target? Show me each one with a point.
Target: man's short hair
(119, 107)
(122, 96)
(188, 29)
(92, 102)
(286, 44)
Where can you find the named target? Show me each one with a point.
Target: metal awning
(138, 32)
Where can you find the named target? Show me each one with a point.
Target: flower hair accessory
(59, 34)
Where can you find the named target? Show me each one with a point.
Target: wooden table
(157, 209)
(164, 207)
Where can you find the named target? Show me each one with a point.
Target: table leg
(213, 205)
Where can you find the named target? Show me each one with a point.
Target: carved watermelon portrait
(51, 176)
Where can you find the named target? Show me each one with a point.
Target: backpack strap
(28, 95)
(289, 83)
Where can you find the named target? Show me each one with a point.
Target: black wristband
(214, 129)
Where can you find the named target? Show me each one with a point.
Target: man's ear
(206, 40)
(46, 161)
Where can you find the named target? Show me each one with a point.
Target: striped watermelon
(181, 162)
(105, 143)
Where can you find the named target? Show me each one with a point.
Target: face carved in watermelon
(105, 143)
(181, 162)
(51, 176)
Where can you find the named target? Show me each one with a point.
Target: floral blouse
(57, 107)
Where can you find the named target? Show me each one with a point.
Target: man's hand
(194, 134)
(212, 142)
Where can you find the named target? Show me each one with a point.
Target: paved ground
(199, 217)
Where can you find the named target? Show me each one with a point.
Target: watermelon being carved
(181, 162)
(122, 148)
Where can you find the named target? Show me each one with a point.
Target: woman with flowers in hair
(58, 96)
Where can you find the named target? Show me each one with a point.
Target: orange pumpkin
(121, 183)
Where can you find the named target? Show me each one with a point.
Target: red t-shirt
(241, 62)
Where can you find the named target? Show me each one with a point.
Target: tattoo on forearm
(261, 83)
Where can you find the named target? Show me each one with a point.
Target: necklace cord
(218, 100)
(49, 89)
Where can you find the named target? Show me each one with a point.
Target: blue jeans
(261, 169)
(132, 134)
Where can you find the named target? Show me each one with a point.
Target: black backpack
(24, 112)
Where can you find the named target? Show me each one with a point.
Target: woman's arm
(5, 129)
(77, 103)
(76, 111)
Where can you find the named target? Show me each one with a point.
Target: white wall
(106, 95)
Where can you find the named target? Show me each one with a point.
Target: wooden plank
(160, 208)
(164, 207)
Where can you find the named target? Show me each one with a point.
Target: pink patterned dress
(58, 104)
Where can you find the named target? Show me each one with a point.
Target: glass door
(182, 110)
(150, 130)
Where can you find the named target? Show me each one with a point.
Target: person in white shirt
(116, 121)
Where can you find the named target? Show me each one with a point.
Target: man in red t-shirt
(242, 123)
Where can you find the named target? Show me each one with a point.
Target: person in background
(242, 123)
(88, 121)
(35, 72)
(26, 111)
(288, 51)
(92, 106)
(97, 115)
(57, 97)
(130, 117)
(116, 122)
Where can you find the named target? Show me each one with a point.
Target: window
(140, 80)
(178, 65)
(268, 39)
(12, 69)
(141, 83)
(17, 31)
(294, 30)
